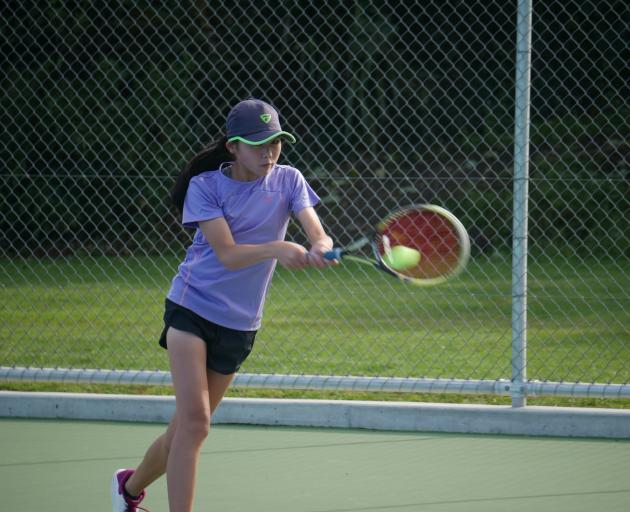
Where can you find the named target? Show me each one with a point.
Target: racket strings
(431, 233)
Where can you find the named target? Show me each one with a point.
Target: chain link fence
(394, 103)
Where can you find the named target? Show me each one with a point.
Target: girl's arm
(319, 240)
(235, 256)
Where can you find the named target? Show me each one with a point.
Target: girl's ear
(231, 147)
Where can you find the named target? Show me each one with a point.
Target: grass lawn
(350, 320)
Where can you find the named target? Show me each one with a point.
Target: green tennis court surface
(66, 465)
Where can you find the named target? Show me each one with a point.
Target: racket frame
(374, 239)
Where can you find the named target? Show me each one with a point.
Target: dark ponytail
(209, 158)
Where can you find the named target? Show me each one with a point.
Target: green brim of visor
(286, 135)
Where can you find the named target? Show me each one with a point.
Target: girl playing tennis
(239, 200)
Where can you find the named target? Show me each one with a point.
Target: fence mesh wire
(394, 103)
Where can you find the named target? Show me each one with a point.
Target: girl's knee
(196, 424)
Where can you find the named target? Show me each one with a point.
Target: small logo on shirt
(265, 118)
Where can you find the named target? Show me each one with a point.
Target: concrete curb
(405, 416)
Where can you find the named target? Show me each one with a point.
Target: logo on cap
(265, 118)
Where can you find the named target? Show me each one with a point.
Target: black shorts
(226, 349)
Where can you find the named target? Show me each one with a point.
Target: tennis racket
(435, 233)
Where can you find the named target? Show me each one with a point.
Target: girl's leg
(153, 465)
(155, 460)
(187, 354)
(218, 384)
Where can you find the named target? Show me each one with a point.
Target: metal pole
(521, 181)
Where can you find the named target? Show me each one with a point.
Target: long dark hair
(208, 159)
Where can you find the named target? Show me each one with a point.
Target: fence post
(521, 179)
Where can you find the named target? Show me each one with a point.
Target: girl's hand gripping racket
(422, 245)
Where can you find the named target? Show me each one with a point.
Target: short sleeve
(302, 195)
(201, 203)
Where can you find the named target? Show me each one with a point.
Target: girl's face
(253, 162)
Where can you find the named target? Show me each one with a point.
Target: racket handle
(335, 254)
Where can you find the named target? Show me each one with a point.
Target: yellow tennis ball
(401, 257)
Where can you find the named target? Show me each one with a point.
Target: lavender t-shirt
(256, 212)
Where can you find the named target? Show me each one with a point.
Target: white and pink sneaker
(121, 501)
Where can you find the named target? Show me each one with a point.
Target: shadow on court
(59, 466)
